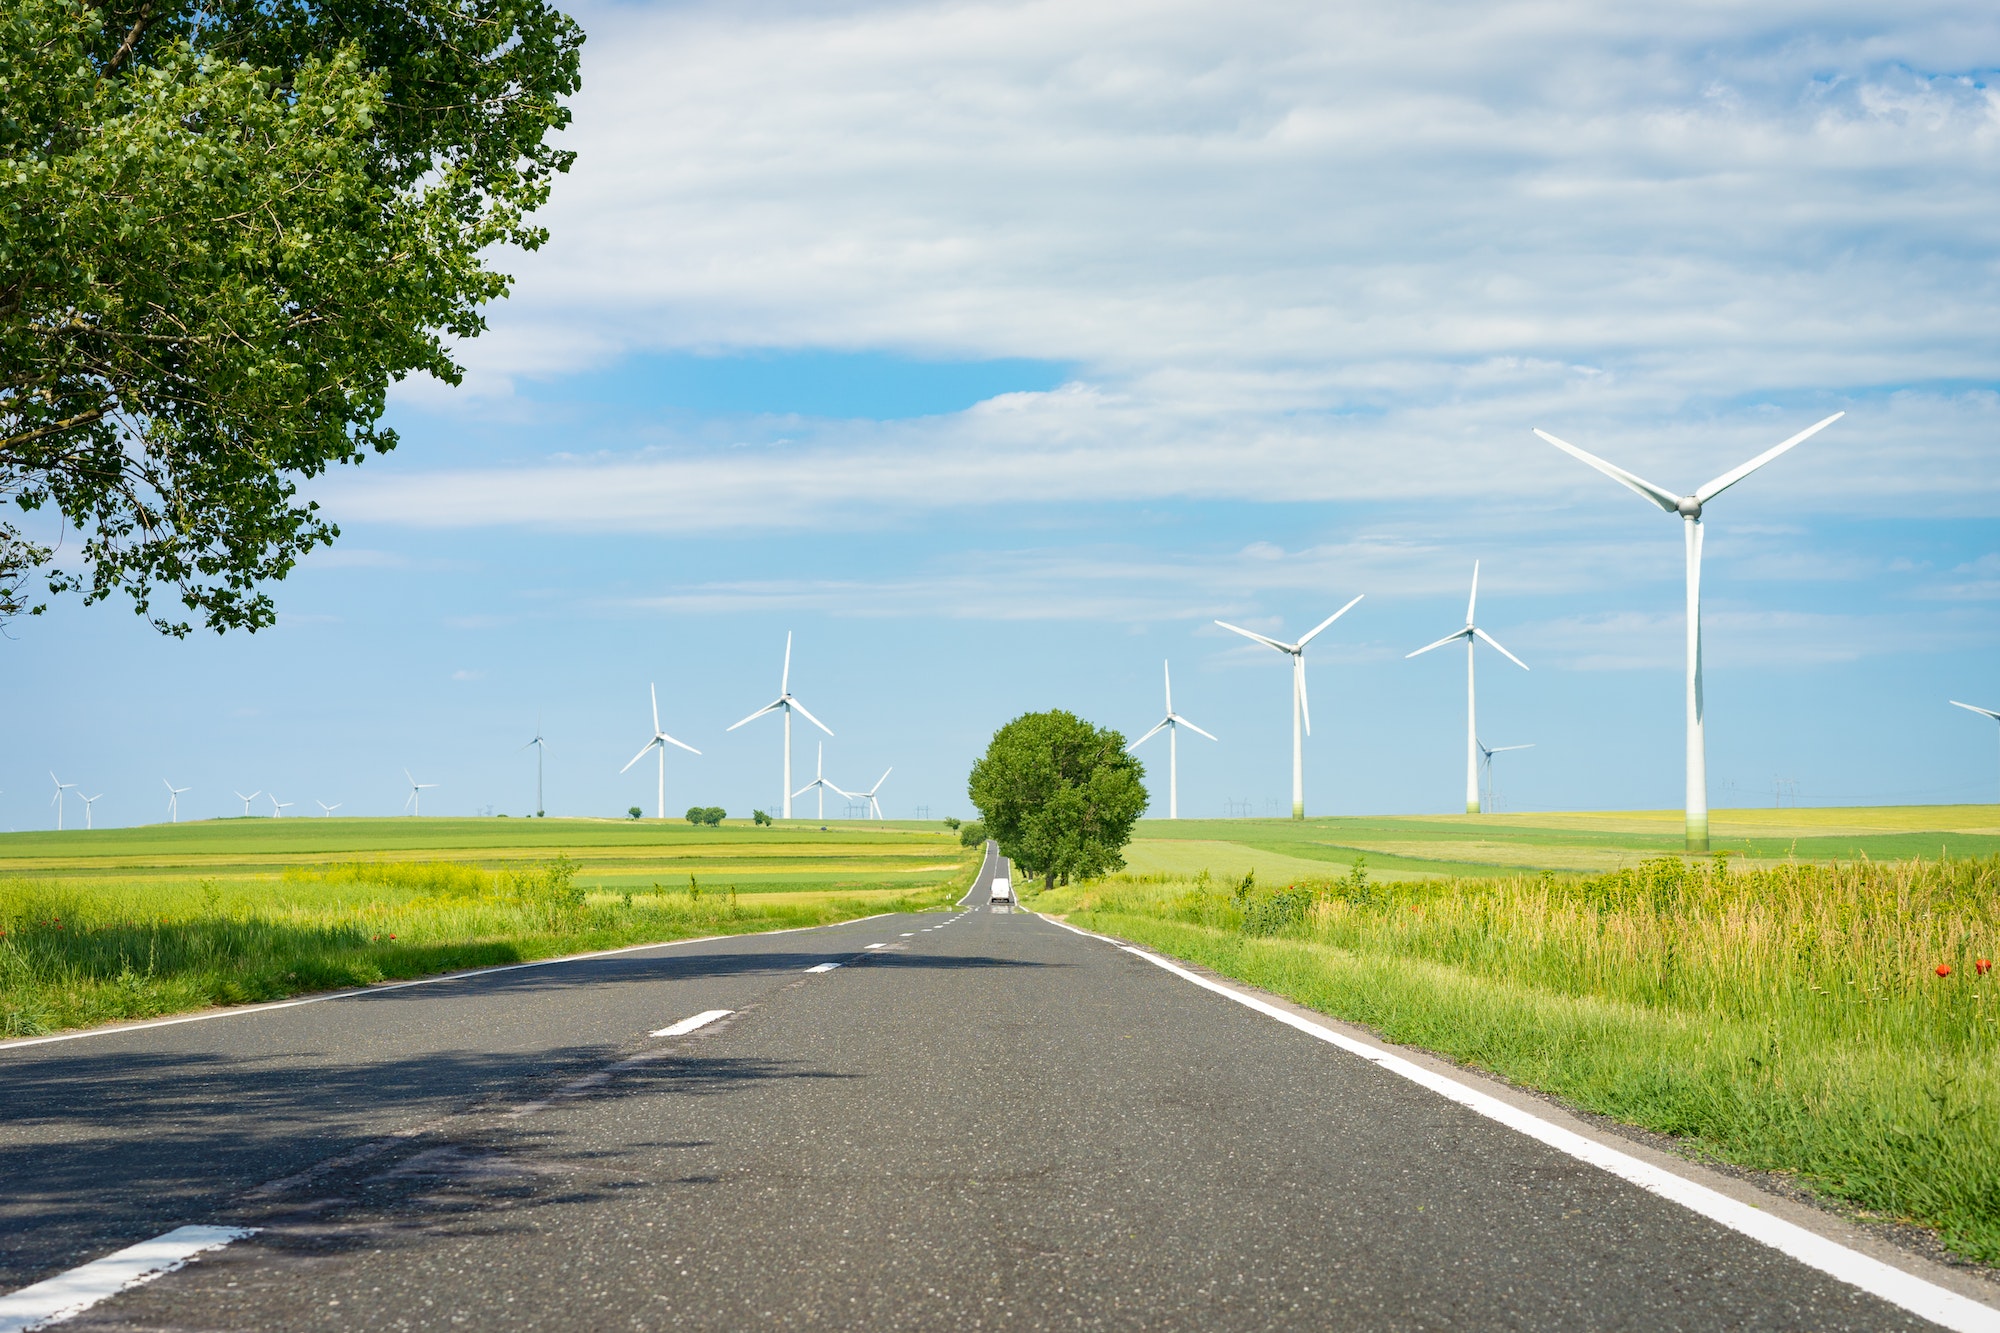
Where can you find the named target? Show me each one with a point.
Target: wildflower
(1982, 967)
(392, 937)
(1944, 969)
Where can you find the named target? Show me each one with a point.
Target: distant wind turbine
(874, 806)
(820, 784)
(1469, 634)
(414, 802)
(58, 802)
(1486, 753)
(88, 802)
(660, 741)
(540, 809)
(278, 807)
(174, 800)
(1171, 724)
(785, 703)
(327, 810)
(1301, 711)
(1970, 708)
(246, 800)
(1689, 508)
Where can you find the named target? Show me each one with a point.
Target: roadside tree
(226, 228)
(1059, 795)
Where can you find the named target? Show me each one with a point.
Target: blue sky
(995, 350)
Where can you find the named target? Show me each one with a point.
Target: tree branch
(131, 38)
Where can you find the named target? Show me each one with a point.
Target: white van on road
(1003, 890)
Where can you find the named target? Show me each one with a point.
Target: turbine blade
(1192, 727)
(1974, 708)
(1168, 668)
(810, 718)
(1734, 475)
(654, 690)
(1305, 705)
(785, 681)
(1473, 601)
(803, 790)
(1494, 644)
(1659, 495)
(1449, 638)
(770, 707)
(1158, 727)
(1499, 748)
(879, 781)
(1307, 637)
(1252, 634)
(683, 744)
(841, 792)
(642, 753)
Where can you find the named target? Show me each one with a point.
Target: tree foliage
(226, 227)
(709, 815)
(1059, 795)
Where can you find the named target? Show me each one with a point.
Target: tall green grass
(79, 952)
(1790, 1019)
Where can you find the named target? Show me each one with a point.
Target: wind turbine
(1470, 633)
(174, 800)
(820, 784)
(1172, 724)
(88, 801)
(1301, 711)
(246, 800)
(58, 803)
(660, 739)
(414, 802)
(874, 806)
(540, 810)
(1970, 708)
(326, 810)
(785, 703)
(1689, 508)
(1486, 753)
(278, 806)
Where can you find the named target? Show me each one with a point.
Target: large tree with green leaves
(1059, 795)
(226, 228)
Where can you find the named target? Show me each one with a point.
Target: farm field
(1424, 846)
(97, 926)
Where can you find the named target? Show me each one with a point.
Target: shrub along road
(990, 1121)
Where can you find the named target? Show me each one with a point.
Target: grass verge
(74, 953)
(1791, 1019)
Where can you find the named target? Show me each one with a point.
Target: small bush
(634, 811)
(710, 815)
(951, 821)
(972, 834)
(760, 818)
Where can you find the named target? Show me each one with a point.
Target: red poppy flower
(1944, 969)
(1982, 967)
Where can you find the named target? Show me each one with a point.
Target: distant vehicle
(1003, 889)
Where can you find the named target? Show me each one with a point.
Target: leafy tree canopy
(1059, 795)
(711, 815)
(226, 227)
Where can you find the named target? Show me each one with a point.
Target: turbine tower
(1470, 633)
(660, 741)
(1689, 508)
(1970, 708)
(278, 807)
(246, 800)
(874, 806)
(540, 809)
(820, 784)
(1486, 753)
(1301, 711)
(1171, 724)
(88, 801)
(785, 703)
(174, 800)
(325, 810)
(414, 802)
(58, 802)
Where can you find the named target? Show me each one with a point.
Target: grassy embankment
(135, 923)
(1789, 1018)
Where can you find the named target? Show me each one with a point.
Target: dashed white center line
(687, 1025)
(883, 945)
(67, 1295)
(822, 967)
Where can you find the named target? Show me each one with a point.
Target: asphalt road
(981, 892)
(987, 1122)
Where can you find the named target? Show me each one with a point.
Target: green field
(1424, 846)
(110, 924)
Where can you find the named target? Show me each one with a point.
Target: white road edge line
(822, 967)
(1904, 1290)
(67, 1295)
(363, 991)
(687, 1025)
